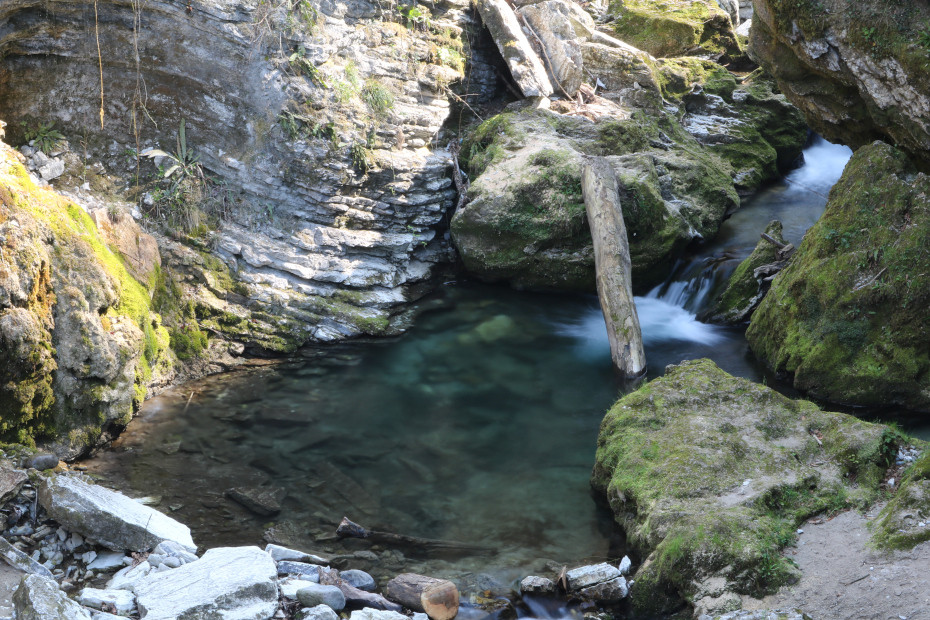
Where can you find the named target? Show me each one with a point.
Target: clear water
(479, 425)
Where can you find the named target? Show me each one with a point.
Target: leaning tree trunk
(612, 265)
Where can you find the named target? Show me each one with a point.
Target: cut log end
(437, 598)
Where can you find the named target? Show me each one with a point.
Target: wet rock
(606, 592)
(17, 559)
(227, 582)
(315, 594)
(110, 518)
(38, 598)
(537, 585)
(264, 501)
(122, 601)
(279, 553)
(320, 612)
(750, 281)
(358, 579)
(585, 576)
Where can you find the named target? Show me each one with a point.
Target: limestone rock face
(227, 582)
(320, 121)
(858, 73)
(709, 475)
(38, 598)
(108, 517)
(847, 320)
(552, 22)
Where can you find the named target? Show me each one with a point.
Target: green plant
(452, 58)
(300, 63)
(377, 97)
(43, 137)
(186, 182)
(361, 157)
(415, 16)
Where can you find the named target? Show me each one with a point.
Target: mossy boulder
(525, 222)
(744, 291)
(849, 318)
(859, 71)
(749, 124)
(709, 475)
(904, 520)
(674, 27)
(79, 340)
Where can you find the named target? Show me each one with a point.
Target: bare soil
(843, 578)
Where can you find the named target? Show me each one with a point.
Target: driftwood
(427, 546)
(437, 598)
(355, 598)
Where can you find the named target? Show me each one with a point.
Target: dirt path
(844, 579)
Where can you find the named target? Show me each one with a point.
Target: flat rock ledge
(111, 518)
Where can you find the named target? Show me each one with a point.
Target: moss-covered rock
(79, 338)
(744, 291)
(525, 222)
(747, 123)
(848, 318)
(674, 27)
(709, 475)
(899, 524)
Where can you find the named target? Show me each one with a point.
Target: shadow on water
(479, 425)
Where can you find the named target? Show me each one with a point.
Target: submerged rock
(264, 501)
(110, 518)
(849, 317)
(709, 475)
(235, 583)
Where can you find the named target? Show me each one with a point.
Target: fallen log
(437, 598)
(428, 546)
(355, 598)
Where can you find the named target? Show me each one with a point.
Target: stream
(479, 425)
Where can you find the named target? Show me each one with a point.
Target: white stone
(625, 565)
(233, 583)
(291, 585)
(38, 598)
(376, 614)
(278, 553)
(107, 560)
(110, 518)
(320, 612)
(126, 578)
(585, 576)
(122, 601)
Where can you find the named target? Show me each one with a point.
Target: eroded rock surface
(857, 71)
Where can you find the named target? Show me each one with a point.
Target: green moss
(898, 525)
(848, 315)
(674, 458)
(674, 27)
(677, 76)
(489, 142)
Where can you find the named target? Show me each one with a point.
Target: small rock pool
(477, 426)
